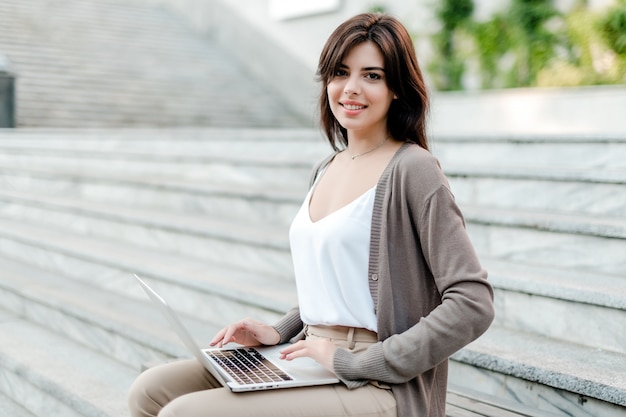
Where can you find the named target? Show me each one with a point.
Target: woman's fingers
(321, 350)
(246, 332)
(261, 332)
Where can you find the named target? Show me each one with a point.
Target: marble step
(243, 176)
(197, 57)
(174, 139)
(579, 242)
(590, 160)
(76, 67)
(132, 10)
(159, 156)
(540, 372)
(147, 24)
(50, 375)
(205, 290)
(464, 402)
(602, 154)
(284, 144)
(244, 203)
(563, 304)
(10, 408)
(535, 238)
(126, 328)
(216, 241)
(564, 294)
(540, 192)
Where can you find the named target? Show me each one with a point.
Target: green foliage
(531, 44)
(535, 43)
(613, 27)
(493, 40)
(453, 14)
(378, 9)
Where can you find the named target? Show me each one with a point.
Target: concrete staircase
(100, 63)
(203, 214)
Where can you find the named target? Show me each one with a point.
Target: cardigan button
(374, 277)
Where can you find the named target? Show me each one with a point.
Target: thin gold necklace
(371, 150)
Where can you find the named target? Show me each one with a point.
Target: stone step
(204, 290)
(556, 242)
(32, 51)
(464, 402)
(540, 372)
(563, 304)
(34, 19)
(131, 10)
(126, 328)
(246, 204)
(603, 155)
(217, 241)
(76, 67)
(50, 375)
(542, 193)
(550, 291)
(505, 234)
(573, 191)
(229, 176)
(10, 408)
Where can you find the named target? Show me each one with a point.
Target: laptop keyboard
(248, 366)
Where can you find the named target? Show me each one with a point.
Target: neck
(366, 149)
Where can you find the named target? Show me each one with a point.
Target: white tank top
(330, 258)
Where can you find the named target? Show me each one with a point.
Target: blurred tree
(449, 67)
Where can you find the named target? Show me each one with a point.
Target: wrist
(277, 337)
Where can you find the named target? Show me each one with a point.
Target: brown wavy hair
(406, 119)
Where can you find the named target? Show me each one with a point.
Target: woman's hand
(246, 332)
(321, 350)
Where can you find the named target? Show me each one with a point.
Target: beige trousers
(186, 389)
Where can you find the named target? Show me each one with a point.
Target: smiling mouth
(352, 107)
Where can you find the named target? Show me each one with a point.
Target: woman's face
(358, 94)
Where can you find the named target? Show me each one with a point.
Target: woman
(389, 285)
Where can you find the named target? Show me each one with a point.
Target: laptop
(243, 369)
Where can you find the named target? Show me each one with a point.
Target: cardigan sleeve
(289, 326)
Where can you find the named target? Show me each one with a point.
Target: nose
(351, 87)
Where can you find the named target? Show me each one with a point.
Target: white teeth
(353, 107)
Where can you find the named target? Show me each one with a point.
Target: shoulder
(416, 166)
(319, 166)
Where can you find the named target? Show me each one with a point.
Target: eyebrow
(366, 68)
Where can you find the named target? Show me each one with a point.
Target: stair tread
(463, 402)
(188, 134)
(582, 223)
(10, 408)
(183, 72)
(591, 287)
(574, 285)
(259, 290)
(551, 362)
(200, 225)
(84, 380)
(132, 316)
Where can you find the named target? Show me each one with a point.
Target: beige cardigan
(430, 292)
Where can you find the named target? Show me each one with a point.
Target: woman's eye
(373, 76)
(340, 73)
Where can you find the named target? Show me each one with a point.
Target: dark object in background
(7, 94)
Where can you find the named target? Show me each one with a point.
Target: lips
(352, 106)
